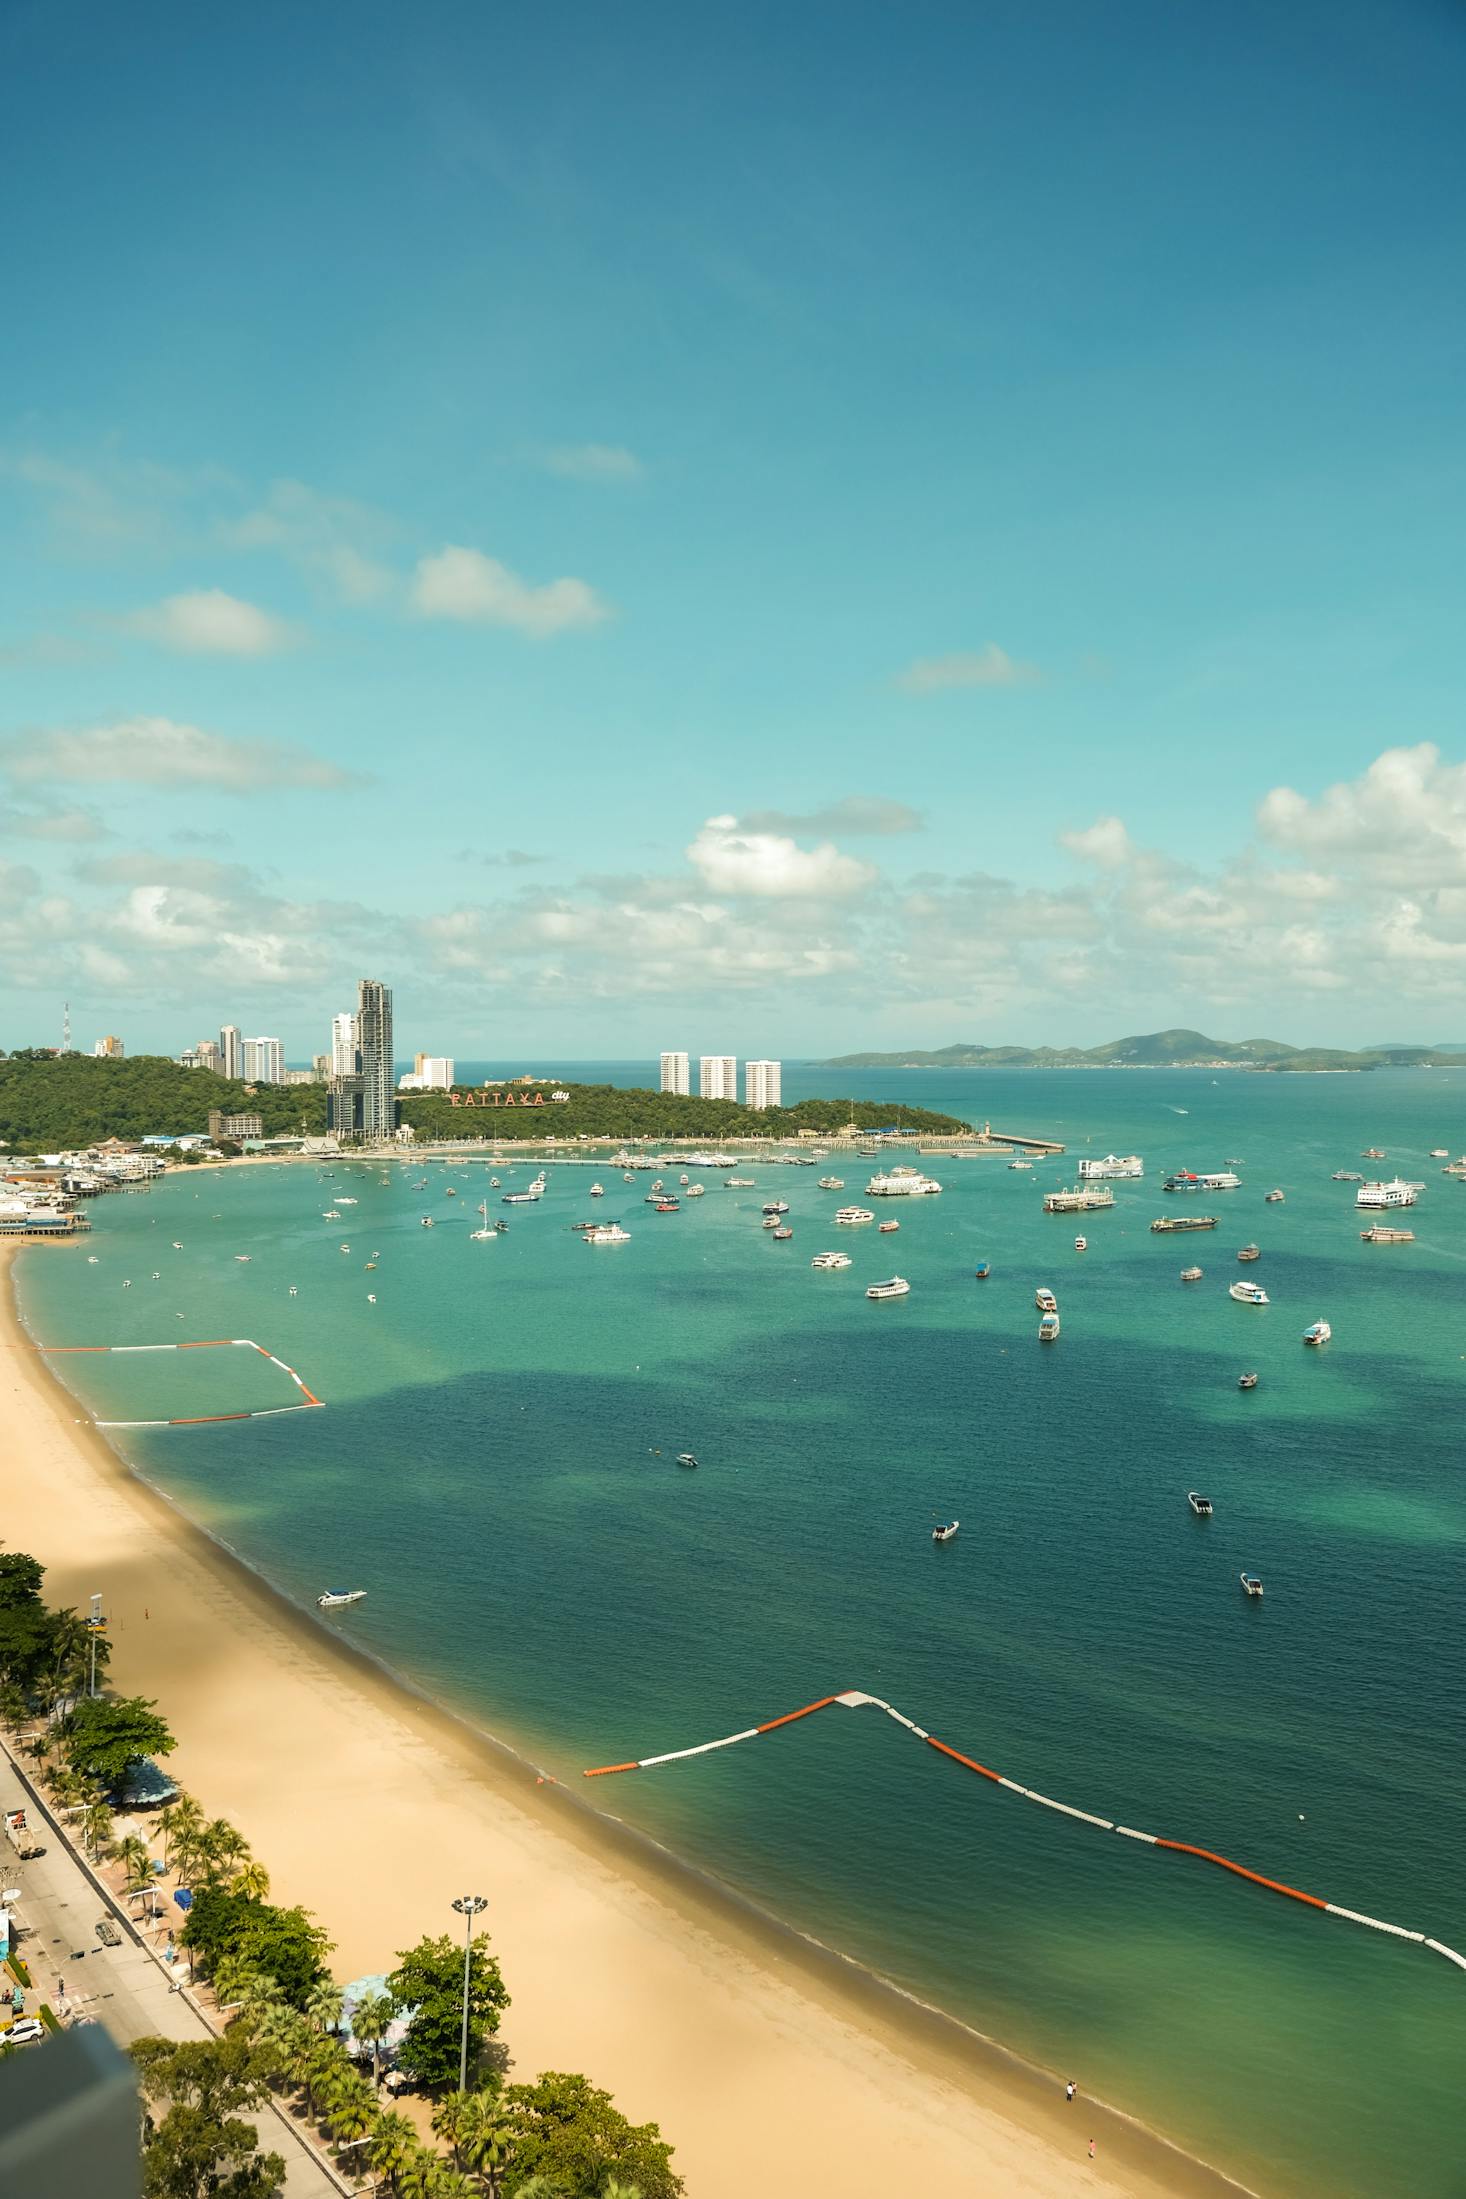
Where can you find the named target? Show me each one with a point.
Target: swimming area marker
(208, 1343)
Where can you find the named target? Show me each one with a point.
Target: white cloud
(772, 865)
(608, 462)
(464, 584)
(207, 622)
(1105, 843)
(1403, 821)
(987, 667)
(869, 816)
(159, 752)
(52, 823)
(333, 539)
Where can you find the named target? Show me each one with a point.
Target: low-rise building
(238, 1127)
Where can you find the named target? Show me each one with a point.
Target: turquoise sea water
(495, 1467)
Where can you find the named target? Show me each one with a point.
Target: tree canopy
(201, 2147)
(428, 1980)
(42, 1652)
(614, 1111)
(573, 2134)
(287, 1945)
(102, 1735)
(57, 1102)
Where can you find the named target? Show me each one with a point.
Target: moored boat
(1379, 1235)
(1273, 1198)
(686, 1458)
(333, 1598)
(1048, 1328)
(1251, 1585)
(945, 1534)
(895, 1286)
(832, 1183)
(831, 1259)
(1045, 1300)
(1317, 1332)
(982, 1271)
(884, 1229)
(1247, 1381)
(1081, 1244)
(1200, 1505)
(1248, 1294)
(1250, 1252)
(852, 1214)
(1191, 1274)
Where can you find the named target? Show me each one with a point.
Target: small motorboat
(177, 1246)
(777, 1206)
(982, 1271)
(1247, 1381)
(1200, 1505)
(91, 1259)
(1273, 1198)
(1250, 1252)
(598, 1191)
(686, 1458)
(697, 1191)
(1440, 1152)
(335, 1597)
(945, 1534)
(1191, 1274)
(884, 1229)
(1020, 1164)
(426, 1221)
(1251, 1585)
(781, 1235)
(243, 1258)
(371, 1297)
(1081, 1244)
(1317, 1332)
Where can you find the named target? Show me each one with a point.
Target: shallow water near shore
(495, 1467)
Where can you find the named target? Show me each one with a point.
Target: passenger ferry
(896, 1183)
(1113, 1164)
(832, 1183)
(1222, 1179)
(895, 1286)
(1086, 1199)
(1394, 1193)
(1377, 1234)
(777, 1206)
(1183, 1221)
(1317, 1332)
(830, 1259)
(607, 1233)
(1191, 1274)
(1248, 1294)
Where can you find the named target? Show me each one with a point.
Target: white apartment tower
(763, 1083)
(344, 1043)
(263, 1060)
(229, 1050)
(717, 1076)
(675, 1074)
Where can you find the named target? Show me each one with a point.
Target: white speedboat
(1317, 1332)
(697, 1191)
(686, 1458)
(855, 1214)
(895, 1286)
(1200, 1505)
(1273, 1198)
(1248, 1294)
(831, 1259)
(1020, 1163)
(1251, 1585)
(598, 1191)
(945, 1534)
(335, 1597)
(1081, 1244)
(738, 1183)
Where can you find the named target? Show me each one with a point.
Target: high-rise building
(229, 1049)
(321, 1063)
(262, 1060)
(108, 1049)
(429, 1073)
(763, 1083)
(344, 1061)
(209, 1056)
(374, 1041)
(717, 1076)
(675, 1077)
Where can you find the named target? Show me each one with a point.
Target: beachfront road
(121, 1987)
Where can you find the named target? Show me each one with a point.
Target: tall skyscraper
(262, 1060)
(717, 1076)
(344, 1062)
(763, 1083)
(374, 1039)
(229, 1049)
(675, 1076)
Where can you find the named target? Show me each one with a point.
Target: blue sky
(777, 528)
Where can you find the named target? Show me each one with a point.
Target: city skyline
(1033, 626)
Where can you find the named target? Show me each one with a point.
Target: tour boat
(697, 1191)
(777, 1206)
(898, 1183)
(830, 1259)
(895, 1286)
(1045, 1300)
(1081, 1244)
(1379, 1235)
(945, 1534)
(982, 1271)
(1191, 1274)
(1200, 1505)
(1020, 1163)
(832, 1183)
(1247, 1381)
(608, 1233)
(1048, 1328)
(1248, 1294)
(855, 1214)
(781, 1235)
(1317, 1332)
(1395, 1193)
(334, 1597)
(1250, 1252)
(1251, 1585)
(770, 1221)
(1186, 1179)
(1127, 1165)
(735, 1183)
(1172, 1222)
(884, 1229)
(686, 1458)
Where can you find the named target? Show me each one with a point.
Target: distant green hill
(1179, 1049)
(54, 1102)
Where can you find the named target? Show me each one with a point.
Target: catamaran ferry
(1113, 1164)
(1395, 1193)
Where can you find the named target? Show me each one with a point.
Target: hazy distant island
(1161, 1050)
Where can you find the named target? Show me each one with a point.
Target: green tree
(352, 2108)
(201, 2148)
(428, 1985)
(371, 2020)
(566, 2128)
(252, 1880)
(287, 1945)
(137, 1865)
(391, 2147)
(104, 1734)
(324, 2004)
(182, 1821)
(486, 2137)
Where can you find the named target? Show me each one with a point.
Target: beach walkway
(123, 1988)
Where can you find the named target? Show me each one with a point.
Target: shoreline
(686, 2001)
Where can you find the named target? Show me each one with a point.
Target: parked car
(23, 2033)
(108, 1933)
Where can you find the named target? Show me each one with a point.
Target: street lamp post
(468, 1907)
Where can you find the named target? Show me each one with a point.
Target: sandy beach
(770, 2066)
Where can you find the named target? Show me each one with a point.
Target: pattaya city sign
(503, 1099)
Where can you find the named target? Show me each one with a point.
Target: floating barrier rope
(854, 1699)
(207, 1343)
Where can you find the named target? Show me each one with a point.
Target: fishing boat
(333, 1598)
(1250, 1252)
(831, 1259)
(1081, 1244)
(982, 1271)
(895, 1286)
(686, 1458)
(1045, 1300)
(1248, 1294)
(1317, 1332)
(1191, 1274)
(1200, 1505)
(1251, 1585)
(1247, 1381)
(945, 1534)
(1048, 1328)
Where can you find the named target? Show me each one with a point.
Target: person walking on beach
(1069, 2091)
(1091, 2149)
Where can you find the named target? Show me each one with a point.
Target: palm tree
(485, 2138)
(252, 1880)
(12, 1705)
(390, 2147)
(351, 2109)
(371, 2020)
(613, 2188)
(97, 1820)
(323, 2005)
(420, 2176)
(221, 1851)
(180, 1822)
(448, 2120)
